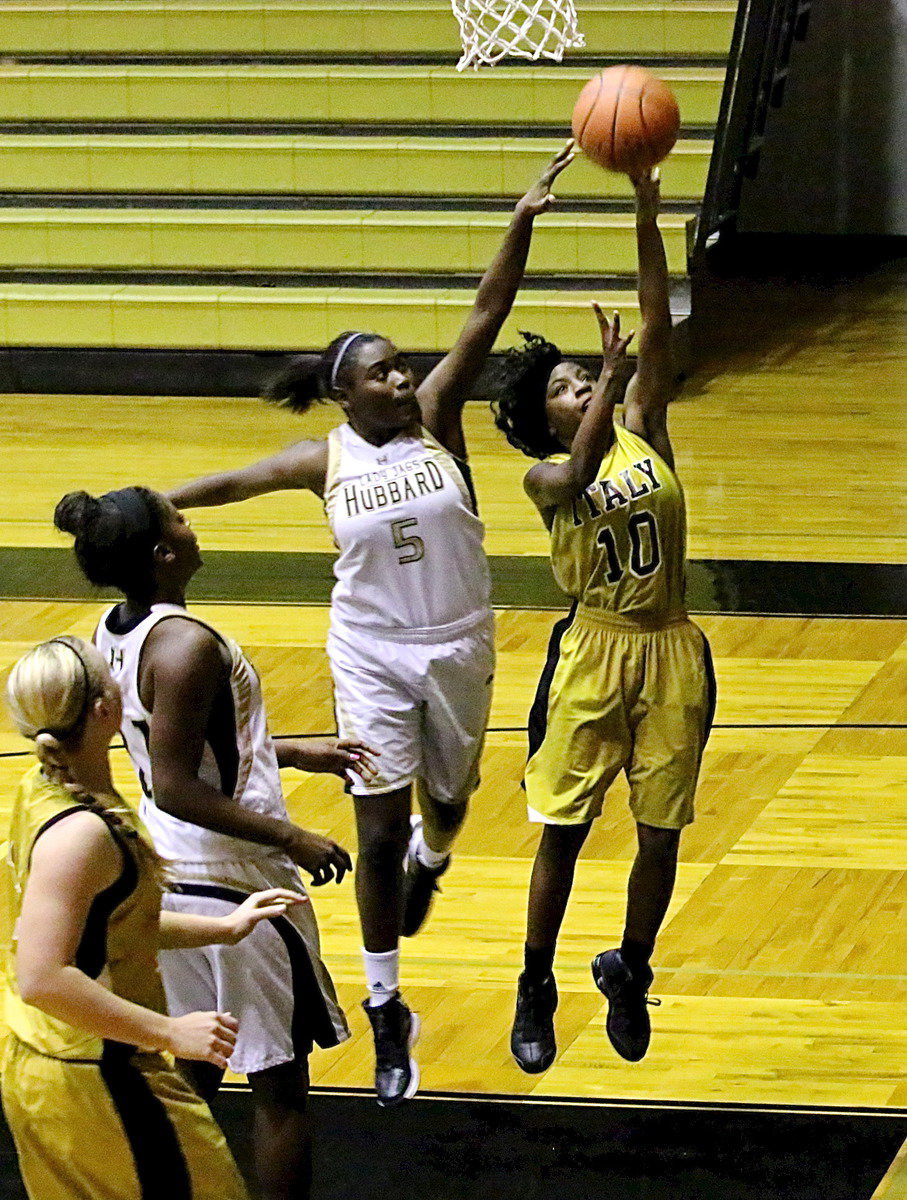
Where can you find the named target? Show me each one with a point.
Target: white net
(492, 29)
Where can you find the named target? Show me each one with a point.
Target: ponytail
(309, 379)
(296, 385)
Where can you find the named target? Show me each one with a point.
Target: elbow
(583, 475)
(169, 796)
(35, 986)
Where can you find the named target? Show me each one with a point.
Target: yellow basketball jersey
(620, 546)
(120, 942)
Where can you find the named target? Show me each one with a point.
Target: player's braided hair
(49, 693)
(115, 535)
(518, 390)
(308, 379)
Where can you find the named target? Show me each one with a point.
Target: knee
(445, 817)
(383, 846)
(658, 846)
(285, 1086)
(562, 843)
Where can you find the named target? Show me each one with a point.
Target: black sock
(539, 961)
(636, 955)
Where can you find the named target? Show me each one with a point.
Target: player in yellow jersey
(90, 1091)
(628, 683)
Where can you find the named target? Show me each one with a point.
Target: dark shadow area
(460, 1148)
(757, 299)
(832, 161)
(518, 581)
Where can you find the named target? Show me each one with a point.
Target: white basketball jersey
(238, 759)
(411, 565)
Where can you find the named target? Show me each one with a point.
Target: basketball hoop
(492, 29)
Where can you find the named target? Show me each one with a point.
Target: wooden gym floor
(781, 967)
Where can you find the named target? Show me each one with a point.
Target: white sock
(382, 974)
(420, 849)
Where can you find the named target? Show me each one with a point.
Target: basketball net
(492, 29)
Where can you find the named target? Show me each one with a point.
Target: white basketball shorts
(273, 981)
(424, 706)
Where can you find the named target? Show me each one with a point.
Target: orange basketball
(626, 119)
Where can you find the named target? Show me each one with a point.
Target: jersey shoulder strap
(335, 451)
(458, 468)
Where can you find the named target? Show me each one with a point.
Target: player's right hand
(322, 858)
(648, 195)
(614, 347)
(539, 198)
(203, 1037)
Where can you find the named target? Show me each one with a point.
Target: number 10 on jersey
(645, 551)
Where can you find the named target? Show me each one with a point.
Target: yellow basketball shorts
(125, 1128)
(617, 697)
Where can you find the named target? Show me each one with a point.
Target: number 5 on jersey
(412, 546)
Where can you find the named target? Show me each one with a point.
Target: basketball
(626, 119)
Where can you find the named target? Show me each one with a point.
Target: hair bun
(74, 511)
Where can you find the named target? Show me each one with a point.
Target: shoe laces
(630, 997)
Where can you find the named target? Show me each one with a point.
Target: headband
(133, 508)
(339, 358)
(86, 698)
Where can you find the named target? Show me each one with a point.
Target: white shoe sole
(415, 1029)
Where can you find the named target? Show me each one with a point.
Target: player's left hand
(539, 198)
(260, 906)
(333, 756)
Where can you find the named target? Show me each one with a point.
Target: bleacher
(259, 174)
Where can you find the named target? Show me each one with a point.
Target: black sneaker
(532, 1037)
(628, 1023)
(419, 886)
(396, 1030)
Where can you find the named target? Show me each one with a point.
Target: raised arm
(302, 465)
(182, 675)
(650, 389)
(443, 392)
(551, 484)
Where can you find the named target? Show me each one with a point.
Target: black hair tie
(133, 507)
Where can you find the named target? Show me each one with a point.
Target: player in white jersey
(411, 641)
(195, 727)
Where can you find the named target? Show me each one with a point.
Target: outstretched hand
(539, 198)
(260, 906)
(614, 347)
(332, 756)
(648, 194)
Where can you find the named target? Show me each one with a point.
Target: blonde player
(411, 641)
(628, 683)
(93, 1100)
